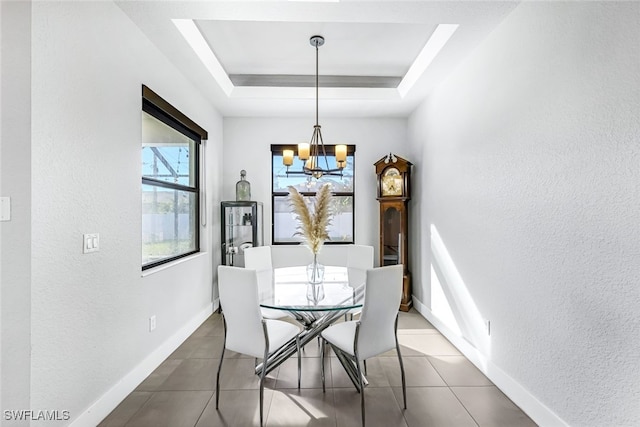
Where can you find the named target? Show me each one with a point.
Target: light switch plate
(91, 243)
(5, 208)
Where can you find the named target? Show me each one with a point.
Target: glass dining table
(315, 307)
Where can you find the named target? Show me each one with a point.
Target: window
(283, 219)
(170, 182)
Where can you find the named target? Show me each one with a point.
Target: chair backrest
(383, 292)
(335, 255)
(290, 256)
(238, 289)
(359, 260)
(259, 258)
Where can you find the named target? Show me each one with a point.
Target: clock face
(391, 182)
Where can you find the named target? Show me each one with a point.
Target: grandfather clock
(394, 192)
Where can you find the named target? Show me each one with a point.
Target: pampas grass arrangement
(312, 226)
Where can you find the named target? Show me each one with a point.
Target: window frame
(157, 107)
(276, 150)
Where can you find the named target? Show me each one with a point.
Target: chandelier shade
(314, 153)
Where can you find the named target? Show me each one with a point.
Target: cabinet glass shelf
(241, 229)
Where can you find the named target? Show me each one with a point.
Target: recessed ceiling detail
(402, 50)
(381, 58)
(290, 80)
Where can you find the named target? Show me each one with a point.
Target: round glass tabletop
(292, 292)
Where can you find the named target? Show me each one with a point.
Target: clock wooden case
(393, 193)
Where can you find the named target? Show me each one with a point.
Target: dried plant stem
(312, 226)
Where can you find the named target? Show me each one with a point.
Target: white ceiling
(267, 42)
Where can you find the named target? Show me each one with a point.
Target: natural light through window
(451, 292)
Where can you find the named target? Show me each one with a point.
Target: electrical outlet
(152, 323)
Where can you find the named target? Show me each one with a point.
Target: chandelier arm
(324, 152)
(312, 165)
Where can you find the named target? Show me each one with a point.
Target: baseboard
(535, 409)
(112, 398)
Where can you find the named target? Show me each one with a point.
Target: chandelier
(313, 154)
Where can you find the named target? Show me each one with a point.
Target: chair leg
(322, 365)
(364, 362)
(218, 378)
(404, 386)
(265, 357)
(299, 360)
(262, 395)
(361, 387)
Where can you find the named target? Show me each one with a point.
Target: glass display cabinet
(241, 229)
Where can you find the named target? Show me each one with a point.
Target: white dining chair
(259, 258)
(290, 255)
(376, 331)
(359, 260)
(245, 330)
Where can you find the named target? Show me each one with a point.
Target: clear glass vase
(315, 277)
(315, 272)
(243, 188)
(315, 292)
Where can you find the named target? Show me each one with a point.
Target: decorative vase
(315, 277)
(315, 272)
(315, 292)
(243, 188)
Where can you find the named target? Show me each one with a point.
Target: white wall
(529, 158)
(90, 337)
(15, 169)
(247, 146)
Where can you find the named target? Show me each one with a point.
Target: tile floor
(443, 388)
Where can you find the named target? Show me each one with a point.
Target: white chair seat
(279, 333)
(341, 335)
(272, 313)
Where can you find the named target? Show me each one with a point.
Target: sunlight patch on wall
(455, 299)
(439, 305)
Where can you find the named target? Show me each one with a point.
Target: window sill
(162, 267)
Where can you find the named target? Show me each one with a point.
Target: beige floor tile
(381, 408)
(190, 345)
(204, 347)
(413, 320)
(236, 408)
(171, 409)
(418, 372)
(213, 326)
(376, 375)
(311, 376)
(210, 348)
(424, 345)
(308, 407)
(443, 387)
(126, 409)
(312, 349)
(239, 374)
(458, 371)
(433, 407)
(160, 375)
(491, 408)
(193, 374)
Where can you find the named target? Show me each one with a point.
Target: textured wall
(15, 169)
(90, 312)
(373, 138)
(530, 155)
